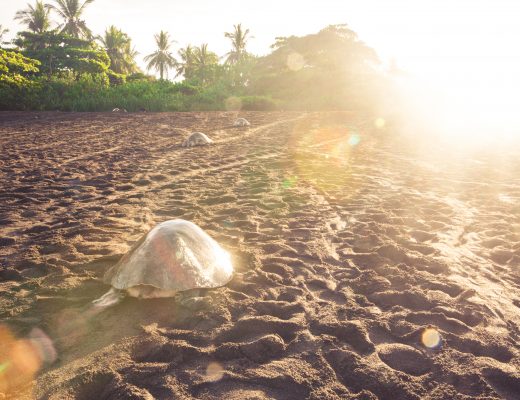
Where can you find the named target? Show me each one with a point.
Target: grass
(88, 94)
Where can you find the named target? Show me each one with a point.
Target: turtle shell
(175, 255)
(196, 139)
(241, 122)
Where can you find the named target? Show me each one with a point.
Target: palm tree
(204, 57)
(118, 46)
(188, 61)
(70, 11)
(204, 60)
(36, 17)
(239, 40)
(161, 59)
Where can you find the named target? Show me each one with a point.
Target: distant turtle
(241, 122)
(196, 139)
(174, 256)
(119, 110)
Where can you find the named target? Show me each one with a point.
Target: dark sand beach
(366, 267)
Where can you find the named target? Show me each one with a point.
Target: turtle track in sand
(344, 253)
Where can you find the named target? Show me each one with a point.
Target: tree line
(63, 59)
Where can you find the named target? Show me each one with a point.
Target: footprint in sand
(404, 358)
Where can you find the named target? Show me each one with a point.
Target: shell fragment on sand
(197, 139)
(175, 255)
(241, 122)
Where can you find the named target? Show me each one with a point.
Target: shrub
(139, 76)
(15, 82)
(115, 79)
(258, 103)
(15, 68)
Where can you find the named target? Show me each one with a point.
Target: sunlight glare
(379, 123)
(457, 74)
(233, 103)
(504, 198)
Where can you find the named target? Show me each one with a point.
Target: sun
(458, 64)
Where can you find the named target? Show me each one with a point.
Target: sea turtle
(241, 122)
(174, 256)
(196, 139)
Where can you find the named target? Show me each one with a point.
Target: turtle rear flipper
(113, 296)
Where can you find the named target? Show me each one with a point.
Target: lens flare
(43, 345)
(4, 366)
(25, 358)
(295, 61)
(431, 338)
(354, 140)
(289, 182)
(214, 371)
(323, 156)
(20, 359)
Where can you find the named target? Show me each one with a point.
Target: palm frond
(161, 60)
(70, 11)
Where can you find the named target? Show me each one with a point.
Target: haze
(465, 51)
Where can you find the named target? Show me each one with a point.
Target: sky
(469, 48)
(418, 34)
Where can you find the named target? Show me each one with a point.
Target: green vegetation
(61, 55)
(35, 17)
(118, 46)
(15, 79)
(15, 69)
(239, 40)
(70, 12)
(3, 32)
(331, 69)
(71, 70)
(161, 60)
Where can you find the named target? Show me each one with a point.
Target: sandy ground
(349, 244)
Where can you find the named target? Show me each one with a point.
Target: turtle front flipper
(113, 296)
